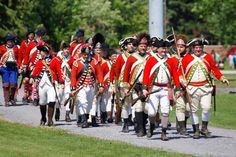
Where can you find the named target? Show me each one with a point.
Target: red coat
(131, 67)
(106, 69)
(23, 48)
(151, 67)
(54, 65)
(74, 47)
(32, 54)
(77, 73)
(120, 65)
(3, 55)
(189, 62)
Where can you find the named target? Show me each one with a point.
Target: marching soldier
(84, 74)
(47, 73)
(63, 57)
(108, 85)
(178, 51)
(25, 74)
(197, 67)
(128, 48)
(30, 59)
(76, 45)
(133, 79)
(10, 62)
(158, 74)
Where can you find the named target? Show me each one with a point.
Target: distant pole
(156, 18)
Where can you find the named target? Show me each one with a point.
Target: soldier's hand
(177, 94)
(126, 91)
(225, 81)
(31, 81)
(145, 92)
(20, 71)
(73, 92)
(62, 86)
(101, 89)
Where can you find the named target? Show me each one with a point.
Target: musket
(23, 75)
(189, 99)
(132, 87)
(214, 94)
(142, 96)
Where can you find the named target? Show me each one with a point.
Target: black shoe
(43, 121)
(150, 130)
(204, 131)
(94, 123)
(57, 114)
(67, 117)
(164, 137)
(196, 132)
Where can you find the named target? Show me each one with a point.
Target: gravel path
(222, 144)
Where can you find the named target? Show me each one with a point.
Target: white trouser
(203, 99)
(156, 99)
(126, 107)
(46, 94)
(63, 94)
(85, 100)
(182, 108)
(108, 99)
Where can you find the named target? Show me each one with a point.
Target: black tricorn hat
(198, 41)
(29, 32)
(80, 33)
(43, 48)
(158, 42)
(40, 32)
(10, 37)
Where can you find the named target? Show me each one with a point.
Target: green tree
(219, 16)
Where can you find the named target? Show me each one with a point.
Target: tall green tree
(219, 16)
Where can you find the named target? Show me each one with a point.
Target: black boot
(43, 110)
(139, 116)
(6, 94)
(196, 132)
(130, 122)
(125, 128)
(67, 117)
(12, 94)
(79, 120)
(51, 106)
(57, 114)
(103, 117)
(204, 130)
(94, 123)
(177, 126)
(150, 130)
(84, 121)
(163, 135)
(182, 129)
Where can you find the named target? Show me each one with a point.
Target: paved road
(222, 144)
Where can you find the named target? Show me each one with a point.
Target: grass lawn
(232, 82)
(225, 112)
(18, 140)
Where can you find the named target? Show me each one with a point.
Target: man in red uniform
(23, 47)
(197, 67)
(10, 62)
(159, 72)
(128, 48)
(47, 72)
(134, 72)
(76, 45)
(182, 105)
(84, 74)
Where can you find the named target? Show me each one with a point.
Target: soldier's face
(80, 39)
(181, 48)
(113, 58)
(162, 51)
(10, 43)
(197, 50)
(43, 54)
(31, 36)
(85, 56)
(130, 47)
(98, 51)
(66, 50)
(154, 49)
(142, 48)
